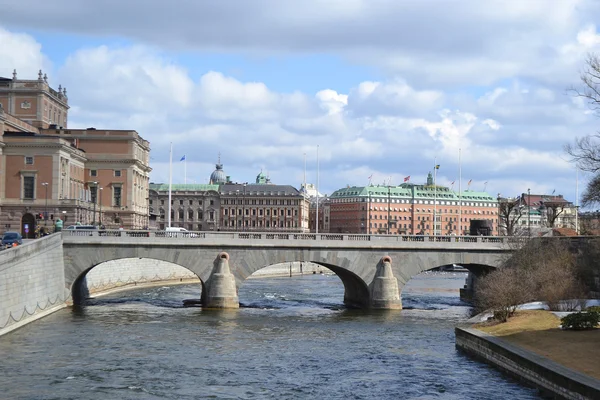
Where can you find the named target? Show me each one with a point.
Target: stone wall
(32, 282)
(287, 269)
(532, 369)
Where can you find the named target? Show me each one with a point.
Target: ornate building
(194, 207)
(408, 209)
(226, 206)
(47, 171)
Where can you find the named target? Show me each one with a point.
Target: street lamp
(529, 211)
(45, 184)
(95, 201)
(244, 209)
(388, 207)
(100, 216)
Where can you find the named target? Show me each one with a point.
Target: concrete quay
(551, 378)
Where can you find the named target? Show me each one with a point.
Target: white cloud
(21, 52)
(512, 132)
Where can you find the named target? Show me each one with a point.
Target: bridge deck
(273, 239)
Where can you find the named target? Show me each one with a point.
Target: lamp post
(45, 184)
(388, 207)
(244, 209)
(529, 212)
(100, 215)
(95, 201)
(237, 207)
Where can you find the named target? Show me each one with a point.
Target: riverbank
(532, 347)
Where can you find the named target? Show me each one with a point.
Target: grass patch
(522, 321)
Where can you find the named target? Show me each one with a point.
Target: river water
(292, 339)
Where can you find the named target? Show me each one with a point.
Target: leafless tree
(501, 292)
(509, 214)
(585, 152)
(553, 210)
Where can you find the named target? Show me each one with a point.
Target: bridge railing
(200, 235)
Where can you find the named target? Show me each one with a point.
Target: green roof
(406, 190)
(183, 187)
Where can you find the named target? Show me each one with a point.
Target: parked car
(11, 237)
(175, 231)
(72, 227)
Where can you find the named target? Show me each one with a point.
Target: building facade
(48, 171)
(409, 209)
(225, 206)
(195, 207)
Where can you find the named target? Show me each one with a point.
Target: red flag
(452, 183)
(370, 177)
(469, 181)
(407, 179)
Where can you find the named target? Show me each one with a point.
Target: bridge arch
(126, 273)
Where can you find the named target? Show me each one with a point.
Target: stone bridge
(372, 268)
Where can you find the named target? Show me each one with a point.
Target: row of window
(94, 172)
(260, 212)
(412, 201)
(190, 202)
(261, 224)
(261, 202)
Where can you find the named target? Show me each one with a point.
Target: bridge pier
(220, 287)
(384, 288)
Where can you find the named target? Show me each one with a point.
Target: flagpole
(184, 169)
(170, 182)
(317, 219)
(434, 196)
(577, 200)
(459, 196)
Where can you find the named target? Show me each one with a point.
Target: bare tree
(553, 210)
(509, 214)
(502, 291)
(585, 152)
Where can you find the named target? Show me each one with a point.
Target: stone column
(220, 287)
(384, 288)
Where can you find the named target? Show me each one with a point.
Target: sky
(353, 89)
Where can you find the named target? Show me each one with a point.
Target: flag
(554, 191)
(182, 158)
(485, 183)
(470, 180)
(452, 183)
(437, 166)
(370, 176)
(406, 179)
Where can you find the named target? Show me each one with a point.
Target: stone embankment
(534, 370)
(32, 282)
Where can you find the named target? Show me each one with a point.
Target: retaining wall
(32, 282)
(533, 369)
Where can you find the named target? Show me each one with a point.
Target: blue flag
(182, 158)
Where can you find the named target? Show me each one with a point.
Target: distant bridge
(373, 268)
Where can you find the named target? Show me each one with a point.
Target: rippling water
(292, 339)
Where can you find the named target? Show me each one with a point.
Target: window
(191, 202)
(28, 160)
(117, 172)
(180, 202)
(28, 187)
(162, 202)
(117, 196)
(93, 172)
